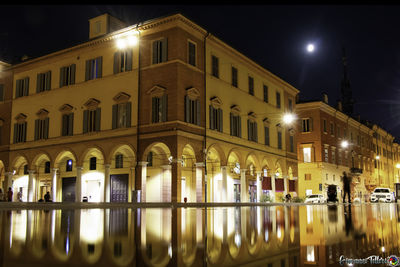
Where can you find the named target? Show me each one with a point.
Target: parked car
(315, 199)
(382, 194)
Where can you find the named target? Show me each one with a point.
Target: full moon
(310, 48)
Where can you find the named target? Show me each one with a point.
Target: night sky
(273, 36)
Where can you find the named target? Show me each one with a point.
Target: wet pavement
(171, 235)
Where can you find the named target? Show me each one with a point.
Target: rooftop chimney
(339, 105)
(104, 24)
(325, 98)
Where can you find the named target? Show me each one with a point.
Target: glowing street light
(344, 144)
(377, 157)
(288, 118)
(126, 40)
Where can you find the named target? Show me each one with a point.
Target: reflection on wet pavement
(305, 235)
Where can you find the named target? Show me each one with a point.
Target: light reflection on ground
(291, 235)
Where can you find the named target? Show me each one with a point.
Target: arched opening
(65, 162)
(234, 173)
(43, 176)
(214, 176)
(188, 174)
(20, 180)
(93, 176)
(251, 178)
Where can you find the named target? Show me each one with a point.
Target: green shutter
(129, 55)
(15, 132)
(98, 119)
(153, 110)
(164, 50)
(38, 83)
(24, 131)
(64, 125)
(164, 107)
(255, 132)
(248, 130)
(71, 124)
(221, 124)
(197, 112)
(46, 129)
(116, 62)
(187, 109)
(100, 67)
(36, 129)
(231, 120)
(72, 73)
(128, 114)
(240, 126)
(87, 70)
(155, 52)
(211, 113)
(62, 76)
(48, 80)
(85, 120)
(114, 116)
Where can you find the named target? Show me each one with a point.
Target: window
(192, 53)
(307, 176)
(307, 154)
(26, 169)
(43, 82)
(121, 115)
(20, 132)
(41, 129)
(251, 85)
(278, 100)
(47, 167)
(159, 109)
(252, 131)
(192, 110)
(67, 128)
(326, 154)
(93, 68)
(234, 77)
(279, 140)
(306, 125)
(290, 105)
(333, 152)
(150, 159)
(123, 61)
(332, 129)
(215, 66)
(265, 89)
(22, 87)
(216, 119)
(266, 134)
(338, 131)
(1, 92)
(91, 120)
(119, 161)
(160, 50)
(324, 126)
(340, 157)
(92, 163)
(67, 75)
(236, 125)
(68, 165)
(291, 143)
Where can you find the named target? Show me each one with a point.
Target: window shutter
(1, 92)
(116, 62)
(100, 67)
(128, 114)
(155, 52)
(62, 76)
(48, 80)
(114, 116)
(231, 121)
(85, 121)
(240, 126)
(255, 132)
(64, 125)
(311, 124)
(36, 129)
(211, 111)
(248, 130)
(87, 71)
(197, 112)
(221, 125)
(187, 108)
(15, 132)
(129, 55)
(37, 83)
(164, 106)
(72, 73)
(46, 129)
(17, 88)
(98, 119)
(71, 124)
(24, 132)
(164, 50)
(153, 109)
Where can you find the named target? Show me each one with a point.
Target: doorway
(236, 192)
(119, 188)
(68, 189)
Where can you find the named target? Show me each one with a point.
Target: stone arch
(188, 174)
(220, 153)
(238, 154)
(214, 174)
(66, 152)
(254, 159)
(93, 174)
(41, 177)
(125, 149)
(92, 150)
(39, 158)
(63, 158)
(20, 178)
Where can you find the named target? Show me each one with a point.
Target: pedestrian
(346, 187)
(1, 195)
(47, 197)
(9, 194)
(19, 195)
(288, 197)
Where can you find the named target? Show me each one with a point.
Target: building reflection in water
(259, 236)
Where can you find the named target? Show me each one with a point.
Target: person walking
(346, 187)
(9, 194)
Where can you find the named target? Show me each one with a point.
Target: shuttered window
(67, 124)
(291, 143)
(123, 61)
(22, 87)
(236, 125)
(1, 92)
(279, 140)
(92, 163)
(119, 161)
(266, 134)
(160, 50)
(159, 109)
(43, 82)
(278, 100)
(216, 122)
(41, 129)
(94, 68)
(47, 167)
(91, 120)
(234, 77)
(252, 131)
(265, 91)
(192, 53)
(215, 66)
(121, 115)
(192, 110)
(20, 132)
(67, 75)
(251, 85)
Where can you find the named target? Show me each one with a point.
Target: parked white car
(382, 194)
(315, 199)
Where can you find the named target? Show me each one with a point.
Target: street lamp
(344, 144)
(288, 118)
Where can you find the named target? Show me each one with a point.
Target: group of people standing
(9, 196)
